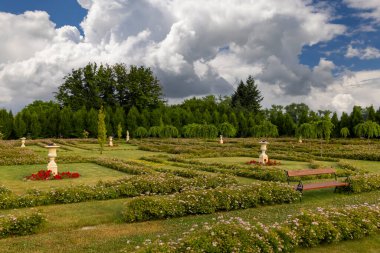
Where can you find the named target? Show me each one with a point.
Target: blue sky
(323, 53)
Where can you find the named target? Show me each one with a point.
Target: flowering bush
(364, 183)
(128, 187)
(11, 225)
(268, 163)
(209, 201)
(307, 229)
(48, 175)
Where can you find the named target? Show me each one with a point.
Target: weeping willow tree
(226, 129)
(200, 131)
(265, 129)
(307, 131)
(168, 131)
(344, 132)
(367, 129)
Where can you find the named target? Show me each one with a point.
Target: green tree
(132, 118)
(306, 130)
(141, 132)
(92, 122)
(35, 126)
(19, 126)
(247, 96)
(119, 131)
(79, 122)
(344, 132)
(265, 129)
(65, 118)
(6, 123)
(154, 131)
(227, 130)
(367, 129)
(168, 131)
(102, 131)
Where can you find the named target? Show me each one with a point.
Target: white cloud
(370, 8)
(195, 48)
(363, 53)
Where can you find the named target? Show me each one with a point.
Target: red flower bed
(269, 163)
(48, 175)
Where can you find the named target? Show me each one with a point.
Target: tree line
(132, 100)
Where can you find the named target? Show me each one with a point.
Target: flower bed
(48, 175)
(308, 229)
(268, 163)
(12, 225)
(209, 201)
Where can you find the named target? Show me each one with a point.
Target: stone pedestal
(263, 158)
(23, 142)
(221, 139)
(52, 155)
(127, 138)
(110, 141)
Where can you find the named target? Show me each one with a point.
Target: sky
(322, 53)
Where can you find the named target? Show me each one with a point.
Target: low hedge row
(12, 225)
(123, 166)
(364, 183)
(208, 201)
(308, 229)
(128, 187)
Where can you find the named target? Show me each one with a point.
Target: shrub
(12, 225)
(208, 201)
(364, 183)
(154, 131)
(308, 229)
(227, 130)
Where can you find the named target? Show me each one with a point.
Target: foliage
(154, 131)
(12, 225)
(308, 229)
(141, 132)
(227, 130)
(208, 201)
(265, 129)
(344, 132)
(102, 132)
(364, 183)
(93, 86)
(200, 131)
(367, 129)
(247, 96)
(168, 131)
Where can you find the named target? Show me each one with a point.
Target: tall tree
(102, 131)
(247, 96)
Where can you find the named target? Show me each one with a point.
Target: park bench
(317, 185)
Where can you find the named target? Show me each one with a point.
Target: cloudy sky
(323, 53)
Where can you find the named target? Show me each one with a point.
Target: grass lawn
(13, 176)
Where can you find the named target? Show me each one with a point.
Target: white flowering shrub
(12, 225)
(209, 201)
(307, 229)
(365, 183)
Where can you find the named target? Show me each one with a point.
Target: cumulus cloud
(195, 48)
(363, 53)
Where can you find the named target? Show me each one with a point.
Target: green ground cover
(97, 226)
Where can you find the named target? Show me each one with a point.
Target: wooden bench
(313, 186)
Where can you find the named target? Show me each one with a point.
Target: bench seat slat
(295, 173)
(322, 185)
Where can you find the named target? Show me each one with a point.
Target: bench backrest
(297, 173)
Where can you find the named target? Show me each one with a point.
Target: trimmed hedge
(364, 183)
(124, 188)
(308, 229)
(208, 201)
(12, 225)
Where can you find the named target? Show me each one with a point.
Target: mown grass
(13, 177)
(96, 226)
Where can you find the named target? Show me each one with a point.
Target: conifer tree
(102, 131)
